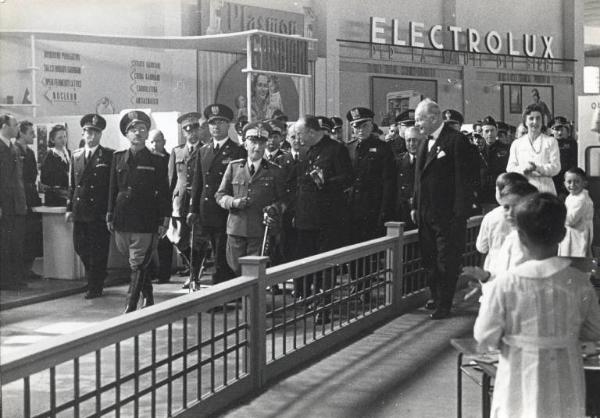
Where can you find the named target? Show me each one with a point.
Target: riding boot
(134, 291)
(147, 291)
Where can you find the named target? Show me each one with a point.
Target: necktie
(216, 148)
(86, 158)
(252, 170)
(192, 149)
(295, 157)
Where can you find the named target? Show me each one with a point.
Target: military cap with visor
(559, 121)
(325, 123)
(132, 117)
(218, 111)
(452, 116)
(257, 131)
(488, 120)
(93, 121)
(406, 118)
(359, 115)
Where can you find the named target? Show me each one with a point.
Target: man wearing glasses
(182, 166)
(210, 167)
(138, 204)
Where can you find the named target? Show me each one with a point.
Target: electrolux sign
(530, 45)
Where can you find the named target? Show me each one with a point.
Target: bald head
(308, 130)
(156, 141)
(428, 116)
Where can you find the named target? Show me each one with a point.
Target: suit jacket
(138, 197)
(405, 178)
(442, 182)
(373, 191)
(182, 166)
(88, 191)
(264, 188)
(210, 168)
(12, 188)
(323, 207)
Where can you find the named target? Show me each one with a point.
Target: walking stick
(192, 286)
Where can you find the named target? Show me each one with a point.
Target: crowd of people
(305, 183)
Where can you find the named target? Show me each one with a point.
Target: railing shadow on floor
(196, 354)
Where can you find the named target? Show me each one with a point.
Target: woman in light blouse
(55, 169)
(535, 155)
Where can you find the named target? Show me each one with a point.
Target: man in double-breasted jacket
(250, 188)
(210, 167)
(88, 201)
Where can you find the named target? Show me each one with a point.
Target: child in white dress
(580, 216)
(536, 314)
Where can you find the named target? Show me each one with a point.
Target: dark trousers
(12, 232)
(160, 267)
(218, 241)
(442, 244)
(311, 242)
(91, 241)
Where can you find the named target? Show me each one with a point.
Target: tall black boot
(135, 287)
(146, 286)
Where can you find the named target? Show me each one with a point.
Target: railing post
(255, 266)
(396, 229)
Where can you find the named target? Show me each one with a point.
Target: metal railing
(195, 354)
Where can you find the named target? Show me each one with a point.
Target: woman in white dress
(535, 155)
(536, 314)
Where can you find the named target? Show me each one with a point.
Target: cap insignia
(95, 120)
(448, 115)
(132, 115)
(355, 113)
(214, 110)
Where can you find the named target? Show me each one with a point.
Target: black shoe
(440, 314)
(430, 305)
(92, 295)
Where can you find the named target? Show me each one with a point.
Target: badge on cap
(95, 120)
(214, 110)
(355, 113)
(132, 115)
(448, 115)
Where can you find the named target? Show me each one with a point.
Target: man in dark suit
(441, 203)
(88, 201)
(182, 166)
(405, 176)
(13, 208)
(320, 181)
(138, 204)
(210, 167)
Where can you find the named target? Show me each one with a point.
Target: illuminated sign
(492, 41)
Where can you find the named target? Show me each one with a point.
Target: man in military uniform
(337, 132)
(567, 147)
(163, 257)
(251, 187)
(326, 125)
(497, 158)
(453, 118)
(138, 204)
(182, 166)
(210, 167)
(282, 118)
(319, 183)
(405, 175)
(13, 207)
(273, 148)
(89, 177)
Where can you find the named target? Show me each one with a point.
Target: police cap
(191, 116)
(406, 118)
(452, 116)
(218, 111)
(325, 123)
(559, 121)
(257, 131)
(276, 126)
(132, 117)
(93, 121)
(488, 120)
(337, 122)
(357, 115)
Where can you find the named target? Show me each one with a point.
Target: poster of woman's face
(270, 93)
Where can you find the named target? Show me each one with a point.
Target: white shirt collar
(256, 164)
(220, 142)
(435, 134)
(6, 141)
(91, 151)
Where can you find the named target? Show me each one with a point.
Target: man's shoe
(430, 305)
(440, 314)
(92, 295)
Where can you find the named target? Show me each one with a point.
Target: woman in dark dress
(55, 169)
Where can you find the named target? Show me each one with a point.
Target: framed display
(516, 97)
(391, 96)
(516, 104)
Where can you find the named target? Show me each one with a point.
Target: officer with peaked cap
(567, 148)
(453, 118)
(138, 204)
(259, 189)
(210, 168)
(337, 132)
(89, 175)
(273, 149)
(326, 125)
(374, 188)
(182, 165)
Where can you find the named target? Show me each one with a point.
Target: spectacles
(191, 127)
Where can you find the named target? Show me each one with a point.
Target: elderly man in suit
(13, 207)
(138, 204)
(210, 167)
(88, 201)
(182, 166)
(441, 203)
(251, 187)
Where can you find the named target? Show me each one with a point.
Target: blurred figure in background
(55, 168)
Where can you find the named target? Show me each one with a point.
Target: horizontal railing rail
(193, 355)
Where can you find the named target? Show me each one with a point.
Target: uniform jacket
(264, 188)
(182, 165)
(317, 207)
(55, 171)
(351, 147)
(405, 185)
(12, 189)
(374, 191)
(276, 155)
(442, 183)
(88, 192)
(210, 168)
(139, 191)
(497, 159)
